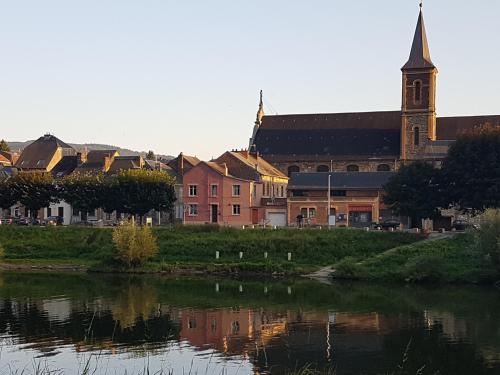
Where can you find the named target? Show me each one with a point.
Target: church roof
(450, 128)
(339, 180)
(336, 135)
(420, 56)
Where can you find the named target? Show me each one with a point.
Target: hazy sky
(184, 75)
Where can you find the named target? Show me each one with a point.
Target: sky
(185, 75)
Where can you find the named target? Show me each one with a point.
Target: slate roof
(420, 56)
(65, 166)
(40, 153)
(336, 135)
(450, 128)
(96, 160)
(125, 163)
(339, 180)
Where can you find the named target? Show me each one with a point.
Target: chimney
(226, 171)
(180, 164)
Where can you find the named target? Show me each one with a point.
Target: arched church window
(323, 168)
(352, 168)
(383, 168)
(416, 136)
(293, 169)
(417, 95)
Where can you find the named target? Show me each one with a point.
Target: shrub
(135, 245)
(489, 235)
(424, 268)
(348, 268)
(2, 252)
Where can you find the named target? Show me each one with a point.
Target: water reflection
(247, 327)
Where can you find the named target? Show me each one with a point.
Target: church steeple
(258, 122)
(420, 56)
(260, 112)
(419, 97)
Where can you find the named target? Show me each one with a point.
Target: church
(367, 141)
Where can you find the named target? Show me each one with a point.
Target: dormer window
(417, 92)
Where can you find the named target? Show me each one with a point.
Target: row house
(238, 188)
(51, 155)
(355, 198)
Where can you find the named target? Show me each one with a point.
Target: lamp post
(329, 198)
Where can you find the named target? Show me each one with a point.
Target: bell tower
(419, 97)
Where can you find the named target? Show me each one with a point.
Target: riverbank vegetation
(195, 247)
(458, 259)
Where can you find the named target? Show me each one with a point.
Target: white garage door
(277, 219)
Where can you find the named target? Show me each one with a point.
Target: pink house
(236, 189)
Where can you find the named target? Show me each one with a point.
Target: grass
(194, 247)
(451, 260)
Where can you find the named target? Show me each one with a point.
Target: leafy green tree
(84, 192)
(414, 192)
(471, 171)
(35, 190)
(140, 191)
(8, 196)
(4, 146)
(150, 155)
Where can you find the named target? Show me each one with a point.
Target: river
(103, 324)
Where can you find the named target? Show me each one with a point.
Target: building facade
(368, 141)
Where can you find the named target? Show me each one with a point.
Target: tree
(414, 192)
(84, 192)
(4, 146)
(140, 191)
(8, 196)
(471, 171)
(150, 155)
(35, 190)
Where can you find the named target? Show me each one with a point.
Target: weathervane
(421, 3)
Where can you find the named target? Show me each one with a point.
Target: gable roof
(4, 161)
(125, 163)
(98, 161)
(339, 180)
(40, 153)
(245, 164)
(420, 56)
(335, 135)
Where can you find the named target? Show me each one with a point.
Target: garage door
(277, 219)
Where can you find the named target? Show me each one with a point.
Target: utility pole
(329, 198)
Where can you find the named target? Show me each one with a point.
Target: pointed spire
(260, 112)
(420, 57)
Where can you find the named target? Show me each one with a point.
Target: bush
(2, 252)
(489, 235)
(424, 268)
(135, 245)
(348, 268)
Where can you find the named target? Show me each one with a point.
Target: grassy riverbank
(193, 248)
(450, 260)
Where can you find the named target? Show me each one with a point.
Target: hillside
(19, 146)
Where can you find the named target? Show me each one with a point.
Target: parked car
(25, 221)
(388, 224)
(53, 220)
(461, 225)
(7, 221)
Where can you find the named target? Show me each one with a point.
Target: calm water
(118, 325)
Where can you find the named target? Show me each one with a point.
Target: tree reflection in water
(354, 328)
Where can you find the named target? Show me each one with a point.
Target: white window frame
(216, 186)
(239, 190)
(192, 212)
(234, 209)
(195, 187)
